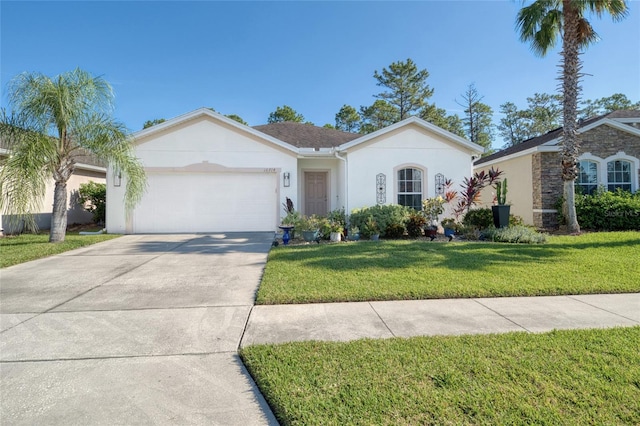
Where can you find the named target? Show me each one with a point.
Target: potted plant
(372, 229)
(290, 221)
(354, 234)
(336, 231)
(502, 209)
(432, 208)
(310, 229)
(449, 225)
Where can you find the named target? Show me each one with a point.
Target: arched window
(619, 175)
(410, 187)
(587, 177)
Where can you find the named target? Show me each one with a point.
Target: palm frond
(540, 23)
(110, 141)
(24, 173)
(618, 9)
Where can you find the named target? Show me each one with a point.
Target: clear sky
(166, 58)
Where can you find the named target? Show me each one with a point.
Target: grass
(396, 270)
(558, 378)
(27, 247)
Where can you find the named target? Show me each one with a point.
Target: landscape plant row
(606, 211)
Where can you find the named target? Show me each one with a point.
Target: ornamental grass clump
(515, 234)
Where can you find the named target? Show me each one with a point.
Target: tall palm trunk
(571, 92)
(59, 215)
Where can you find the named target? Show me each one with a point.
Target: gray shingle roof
(306, 135)
(553, 134)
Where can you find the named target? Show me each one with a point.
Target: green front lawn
(26, 247)
(557, 378)
(393, 270)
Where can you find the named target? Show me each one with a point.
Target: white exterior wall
(406, 146)
(204, 139)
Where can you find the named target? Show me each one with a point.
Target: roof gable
(455, 139)
(207, 113)
(614, 119)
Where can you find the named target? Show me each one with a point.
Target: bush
(383, 215)
(414, 225)
(324, 226)
(394, 230)
(93, 197)
(515, 220)
(606, 211)
(515, 234)
(338, 216)
(478, 218)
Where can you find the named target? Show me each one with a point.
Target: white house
(208, 173)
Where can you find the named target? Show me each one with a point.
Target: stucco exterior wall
(201, 140)
(404, 147)
(518, 172)
(75, 213)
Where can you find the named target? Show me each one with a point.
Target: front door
(315, 191)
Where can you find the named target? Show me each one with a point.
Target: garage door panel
(208, 202)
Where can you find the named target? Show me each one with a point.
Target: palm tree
(541, 23)
(54, 123)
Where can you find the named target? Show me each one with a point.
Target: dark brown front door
(315, 191)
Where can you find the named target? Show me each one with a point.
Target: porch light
(286, 178)
(117, 179)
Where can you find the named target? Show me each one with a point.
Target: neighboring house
(609, 157)
(208, 173)
(89, 169)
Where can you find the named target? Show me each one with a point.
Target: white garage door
(207, 202)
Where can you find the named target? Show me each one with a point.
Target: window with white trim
(410, 187)
(587, 176)
(619, 175)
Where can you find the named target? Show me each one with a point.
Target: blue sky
(167, 58)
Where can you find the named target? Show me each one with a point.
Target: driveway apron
(143, 329)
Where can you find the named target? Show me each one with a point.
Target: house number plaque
(381, 188)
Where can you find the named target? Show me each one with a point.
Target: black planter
(501, 215)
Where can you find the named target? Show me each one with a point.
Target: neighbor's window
(619, 175)
(410, 188)
(587, 177)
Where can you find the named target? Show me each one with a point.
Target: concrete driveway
(136, 330)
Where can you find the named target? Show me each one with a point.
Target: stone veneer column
(547, 188)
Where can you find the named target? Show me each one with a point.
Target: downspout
(346, 180)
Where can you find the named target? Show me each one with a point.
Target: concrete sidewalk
(351, 321)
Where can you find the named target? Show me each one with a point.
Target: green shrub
(383, 215)
(478, 218)
(394, 230)
(415, 224)
(338, 216)
(606, 211)
(515, 220)
(292, 218)
(93, 197)
(515, 234)
(324, 225)
(470, 233)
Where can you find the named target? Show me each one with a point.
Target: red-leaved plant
(471, 188)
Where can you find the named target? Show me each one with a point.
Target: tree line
(406, 93)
